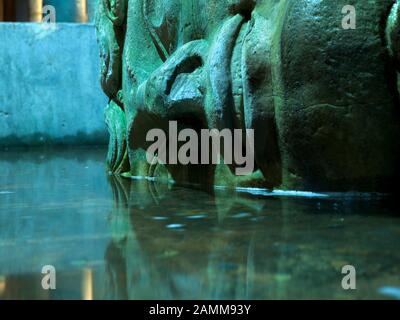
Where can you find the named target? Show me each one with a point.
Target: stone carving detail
(323, 101)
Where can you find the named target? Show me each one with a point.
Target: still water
(111, 238)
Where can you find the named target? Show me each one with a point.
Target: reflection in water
(112, 238)
(87, 284)
(2, 285)
(175, 243)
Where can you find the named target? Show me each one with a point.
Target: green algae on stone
(323, 101)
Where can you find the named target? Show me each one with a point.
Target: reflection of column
(81, 11)
(87, 284)
(2, 278)
(35, 10)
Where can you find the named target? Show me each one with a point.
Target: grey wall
(49, 87)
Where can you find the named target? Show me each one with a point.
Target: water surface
(111, 238)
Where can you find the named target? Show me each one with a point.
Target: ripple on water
(160, 218)
(175, 226)
(241, 215)
(197, 217)
(6, 192)
(392, 292)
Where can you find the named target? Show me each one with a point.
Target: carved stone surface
(323, 101)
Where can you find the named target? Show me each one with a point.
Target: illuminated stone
(322, 99)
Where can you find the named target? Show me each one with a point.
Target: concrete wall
(49, 85)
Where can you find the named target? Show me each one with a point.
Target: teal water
(111, 238)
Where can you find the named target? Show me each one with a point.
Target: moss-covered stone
(323, 100)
